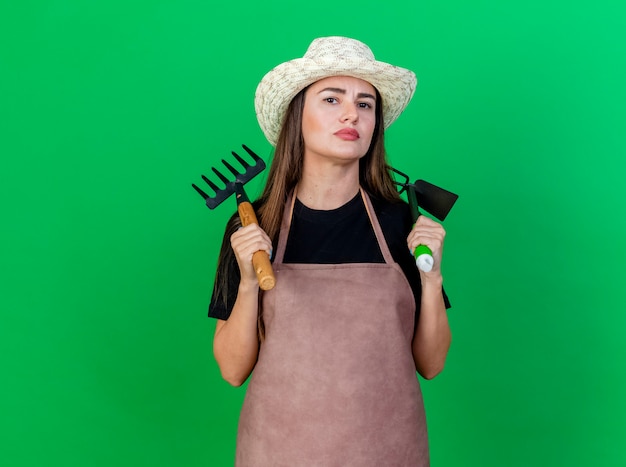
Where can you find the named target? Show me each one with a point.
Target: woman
(335, 345)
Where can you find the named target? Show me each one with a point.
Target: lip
(347, 134)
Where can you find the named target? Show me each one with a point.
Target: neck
(329, 188)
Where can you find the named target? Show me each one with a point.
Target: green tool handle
(423, 255)
(424, 258)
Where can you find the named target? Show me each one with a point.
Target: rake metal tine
(231, 168)
(220, 175)
(213, 186)
(252, 154)
(202, 193)
(243, 163)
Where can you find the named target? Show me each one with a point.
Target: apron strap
(378, 231)
(284, 227)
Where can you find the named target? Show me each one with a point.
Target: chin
(350, 153)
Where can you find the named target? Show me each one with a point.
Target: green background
(110, 110)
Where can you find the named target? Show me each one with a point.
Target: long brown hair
(286, 171)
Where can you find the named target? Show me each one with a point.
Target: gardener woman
(334, 347)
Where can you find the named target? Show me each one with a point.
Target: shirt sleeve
(220, 307)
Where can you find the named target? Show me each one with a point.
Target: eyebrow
(360, 95)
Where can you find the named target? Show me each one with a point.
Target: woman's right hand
(245, 242)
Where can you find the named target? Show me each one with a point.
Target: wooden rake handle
(260, 259)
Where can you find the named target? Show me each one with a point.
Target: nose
(349, 114)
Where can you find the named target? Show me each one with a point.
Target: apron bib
(335, 382)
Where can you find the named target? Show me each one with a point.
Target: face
(338, 119)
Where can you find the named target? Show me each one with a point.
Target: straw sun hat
(330, 56)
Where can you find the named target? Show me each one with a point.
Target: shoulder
(394, 216)
(388, 206)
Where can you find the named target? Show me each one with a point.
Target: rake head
(230, 186)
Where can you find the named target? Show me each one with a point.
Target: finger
(247, 233)
(427, 229)
(426, 221)
(435, 234)
(251, 244)
(433, 240)
(250, 247)
(426, 224)
(245, 242)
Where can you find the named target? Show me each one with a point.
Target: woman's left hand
(428, 232)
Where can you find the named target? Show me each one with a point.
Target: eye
(331, 100)
(365, 105)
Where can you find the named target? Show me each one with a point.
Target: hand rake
(432, 199)
(260, 259)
